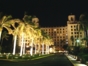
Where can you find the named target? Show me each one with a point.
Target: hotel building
(69, 34)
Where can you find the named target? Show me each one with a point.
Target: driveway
(54, 60)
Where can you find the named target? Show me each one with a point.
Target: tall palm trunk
(86, 35)
(22, 44)
(39, 51)
(46, 49)
(31, 50)
(42, 48)
(0, 34)
(23, 48)
(35, 48)
(87, 32)
(14, 46)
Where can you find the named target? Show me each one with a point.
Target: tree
(65, 46)
(15, 34)
(83, 21)
(14, 30)
(4, 36)
(72, 39)
(4, 23)
(27, 19)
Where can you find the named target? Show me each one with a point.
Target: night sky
(50, 12)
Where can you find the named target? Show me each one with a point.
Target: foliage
(83, 20)
(26, 26)
(72, 39)
(69, 49)
(4, 35)
(65, 46)
(28, 19)
(0, 48)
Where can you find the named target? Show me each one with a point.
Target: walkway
(73, 61)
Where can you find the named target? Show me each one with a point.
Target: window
(80, 32)
(71, 32)
(74, 29)
(74, 32)
(74, 26)
(80, 35)
(71, 26)
(71, 19)
(60, 36)
(75, 36)
(71, 29)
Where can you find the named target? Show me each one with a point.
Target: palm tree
(28, 19)
(5, 23)
(72, 39)
(31, 27)
(39, 36)
(4, 36)
(83, 21)
(20, 30)
(46, 41)
(14, 31)
(21, 34)
(15, 34)
(33, 38)
(35, 43)
(25, 29)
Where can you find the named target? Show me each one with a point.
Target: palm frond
(5, 35)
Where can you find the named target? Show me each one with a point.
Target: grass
(28, 58)
(43, 56)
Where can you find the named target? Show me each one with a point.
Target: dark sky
(50, 12)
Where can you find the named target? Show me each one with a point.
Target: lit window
(71, 32)
(54, 29)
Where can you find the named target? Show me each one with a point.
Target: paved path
(55, 60)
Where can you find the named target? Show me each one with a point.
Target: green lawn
(28, 58)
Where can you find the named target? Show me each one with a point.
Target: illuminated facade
(66, 35)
